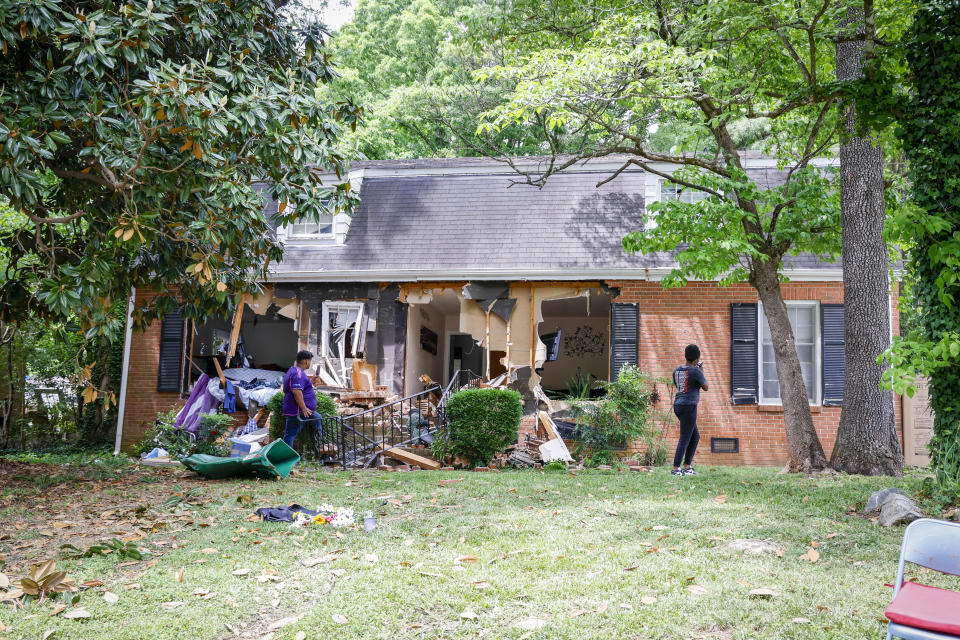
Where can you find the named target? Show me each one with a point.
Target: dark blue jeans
(689, 434)
(294, 423)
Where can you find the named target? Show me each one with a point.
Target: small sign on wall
(428, 341)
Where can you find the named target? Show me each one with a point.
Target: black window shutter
(171, 352)
(744, 381)
(624, 336)
(834, 362)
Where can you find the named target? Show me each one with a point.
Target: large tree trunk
(867, 441)
(803, 444)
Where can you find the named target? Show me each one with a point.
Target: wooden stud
(235, 332)
(410, 458)
(216, 365)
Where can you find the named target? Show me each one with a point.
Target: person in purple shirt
(689, 380)
(299, 398)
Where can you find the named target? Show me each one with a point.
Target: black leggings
(689, 435)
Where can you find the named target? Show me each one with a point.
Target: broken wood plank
(547, 423)
(223, 378)
(235, 332)
(410, 458)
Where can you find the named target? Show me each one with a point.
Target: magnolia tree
(131, 139)
(733, 73)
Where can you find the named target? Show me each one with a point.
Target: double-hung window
(805, 320)
(672, 191)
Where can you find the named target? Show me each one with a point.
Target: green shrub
(624, 415)
(325, 407)
(166, 436)
(482, 422)
(213, 427)
(579, 386)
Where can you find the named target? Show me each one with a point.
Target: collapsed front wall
(697, 313)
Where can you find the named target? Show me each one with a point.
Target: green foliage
(123, 550)
(929, 131)
(555, 465)
(165, 435)
(131, 138)
(579, 386)
(277, 419)
(178, 443)
(623, 416)
(192, 497)
(211, 434)
(482, 422)
(410, 63)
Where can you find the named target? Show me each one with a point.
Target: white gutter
(122, 405)
(435, 275)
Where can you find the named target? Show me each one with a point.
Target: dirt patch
(44, 506)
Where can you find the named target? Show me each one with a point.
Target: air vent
(724, 445)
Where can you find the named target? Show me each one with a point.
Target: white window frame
(290, 234)
(817, 353)
(695, 194)
(325, 320)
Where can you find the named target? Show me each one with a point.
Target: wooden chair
(920, 612)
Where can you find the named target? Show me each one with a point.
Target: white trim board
(655, 274)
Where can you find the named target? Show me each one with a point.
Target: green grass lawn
(516, 554)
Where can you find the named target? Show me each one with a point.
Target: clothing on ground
(689, 380)
(689, 434)
(297, 378)
(283, 514)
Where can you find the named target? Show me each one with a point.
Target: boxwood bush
(482, 423)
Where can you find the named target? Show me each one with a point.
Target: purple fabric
(200, 401)
(297, 378)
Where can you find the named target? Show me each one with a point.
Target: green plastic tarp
(272, 461)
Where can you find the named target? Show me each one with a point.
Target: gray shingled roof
(458, 225)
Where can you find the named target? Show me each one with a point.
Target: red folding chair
(921, 612)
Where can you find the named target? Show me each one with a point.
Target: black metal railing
(463, 378)
(409, 421)
(363, 437)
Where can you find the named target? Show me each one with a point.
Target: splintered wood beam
(216, 365)
(235, 332)
(548, 425)
(410, 458)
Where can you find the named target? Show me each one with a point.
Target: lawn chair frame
(933, 544)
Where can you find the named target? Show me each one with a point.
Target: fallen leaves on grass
(469, 614)
(241, 572)
(462, 559)
(812, 555)
(111, 597)
(763, 593)
(78, 613)
(698, 590)
(648, 599)
(720, 499)
(173, 604)
(339, 618)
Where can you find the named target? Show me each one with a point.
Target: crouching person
(299, 399)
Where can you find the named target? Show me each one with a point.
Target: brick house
(447, 264)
